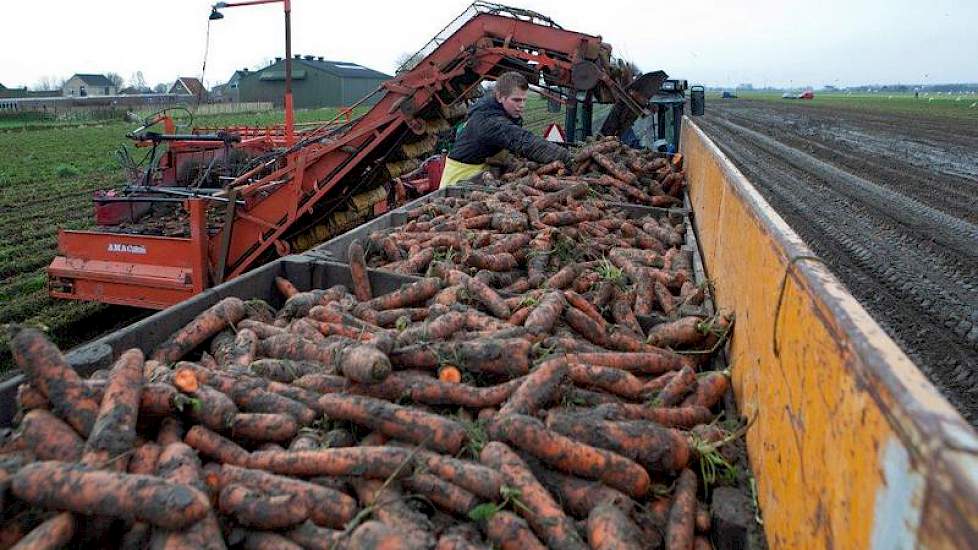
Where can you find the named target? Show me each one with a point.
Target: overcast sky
(764, 42)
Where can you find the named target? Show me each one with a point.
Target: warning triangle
(554, 133)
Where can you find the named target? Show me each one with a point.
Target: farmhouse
(188, 85)
(86, 85)
(316, 82)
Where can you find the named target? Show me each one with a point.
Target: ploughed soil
(890, 202)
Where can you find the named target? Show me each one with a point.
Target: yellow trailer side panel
(852, 447)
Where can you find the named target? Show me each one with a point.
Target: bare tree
(407, 61)
(116, 79)
(161, 88)
(137, 80)
(47, 83)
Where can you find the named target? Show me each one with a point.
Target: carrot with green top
(213, 320)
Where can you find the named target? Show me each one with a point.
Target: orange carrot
(449, 374)
(211, 408)
(538, 388)
(49, 372)
(543, 317)
(76, 488)
(178, 463)
(49, 438)
(374, 462)
(610, 379)
(709, 390)
(571, 456)
(213, 320)
(674, 417)
(677, 388)
(254, 509)
(185, 380)
(407, 295)
(682, 514)
(509, 532)
(286, 287)
(215, 446)
(114, 431)
(645, 362)
(503, 356)
(364, 363)
(609, 528)
(577, 496)
(263, 427)
(545, 516)
(55, 532)
(445, 495)
(584, 306)
(684, 332)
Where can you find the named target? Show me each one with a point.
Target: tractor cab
(661, 130)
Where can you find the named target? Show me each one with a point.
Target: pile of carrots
(543, 384)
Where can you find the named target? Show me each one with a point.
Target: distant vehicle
(807, 94)
(728, 95)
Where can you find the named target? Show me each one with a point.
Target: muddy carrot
(609, 528)
(703, 521)
(484, 294)
(610, 379)
(299, 305)
(286, 370)
(49, 372)
(587, 327)
(503, 356)
(433, 431)
(430, 391)
(374, 462)
(664, 297)
(253, 399)
(114, 431)
(674, 417)
(545, 516)
(475, 478)
(262, 330)
(682, 514)
(178, 463)
(538, 388)
(244, 349)
(571, 456)
(374, 534)
(563, 278)
(216, 446)
(585, 307)
(684, 332)
(492, 261)
(286, 287)
(445, 495)
(709, 390)
(391, 509)
(407, 295)
(213, 320)
(55, 532)
(543, 317)
(510, 532)
(646, 362)
(145, 458)
(267, 512)
(358, 271)
(327, 507)
(263, 427)
(323, 383)
(49, 438)
(621, 311)
(211, 408)
(171, 431)
(313, 537)
(364, 363)
(577, 496)
(651, 445)
(439, 328)
(76, 488)
(677, 388)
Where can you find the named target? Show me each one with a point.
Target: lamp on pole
(287, 4)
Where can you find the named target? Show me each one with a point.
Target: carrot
(577, 496)
(563, 278)
(76, 488)
(114, 431)
(543, 317)
(145, 458)
(484, 294)
(709, 390)
(374, 462)
(286, 370)
(584, 306)
(29, 398)
(244, 349)
(586, 326)
(476, 320)
(610, 379)
(439, 328)
(374, 534)
(449, 374)
(448, 296)
(473, 477)
(654, 447)
(221, 347)
(702, 543)
(185, 380)
(215, 446)
(49, 372)
(621, 312)
(538, 388)
(456, 541)
(407, 295)
(682, 514)
(313, 537)
(178, 463)
(322, 383)
(55, 532)
(684, 332)
(305, 440)
(664, 297)
(263, 427)
(677, 388)
(544, 515)
(358, 271)
(645, 362)
(510, 532)
(253, 399)
(391, 509)
(262, 330)
(364, 363)
(493, 261)
(675, 417)
(703, 522)
(49, 438)
(433, 431)
(211, 408)
(295, 348)
(213, 320)
(445, 495)
(255, 509)
(609, 528)
(299, 305)
(286, 287)
(571, 456)
(502, 356)
(327, 507)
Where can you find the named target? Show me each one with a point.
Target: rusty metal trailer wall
(852, 447)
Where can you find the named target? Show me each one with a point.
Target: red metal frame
(276, 202)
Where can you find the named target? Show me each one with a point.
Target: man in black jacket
(495, 123)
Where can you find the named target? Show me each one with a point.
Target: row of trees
(136, 80)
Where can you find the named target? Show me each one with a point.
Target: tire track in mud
(923, 298)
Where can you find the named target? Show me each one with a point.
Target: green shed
(316, 82)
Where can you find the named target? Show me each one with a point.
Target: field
(47, 176)
(884, 190)
(926, 105)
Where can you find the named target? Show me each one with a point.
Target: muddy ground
(890, 202)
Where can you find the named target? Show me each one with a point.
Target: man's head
(511, 91)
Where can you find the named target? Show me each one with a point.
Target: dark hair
(507, 83)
